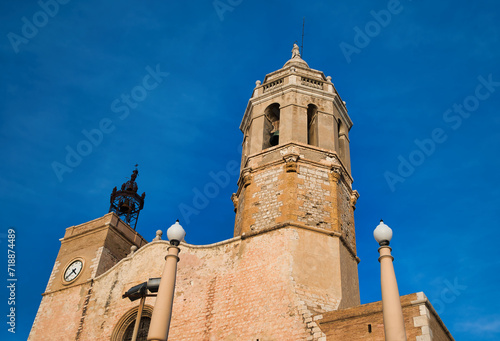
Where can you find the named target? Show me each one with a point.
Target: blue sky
(422, 84)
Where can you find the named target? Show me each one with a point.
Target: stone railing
(269, 86)
(311, 82)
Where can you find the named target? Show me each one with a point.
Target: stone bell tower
(87, 251)
(295, 160)
(295, 167)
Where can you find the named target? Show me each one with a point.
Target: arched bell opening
(271, 126)
(312, 125)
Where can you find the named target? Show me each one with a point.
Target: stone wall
(265, 287)
(298, 185)
(60, 314)
(346, 215)
(365, 322)
(315, 197)
(268, 188)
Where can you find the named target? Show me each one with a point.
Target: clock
(73, 270)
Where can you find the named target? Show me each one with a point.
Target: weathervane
(303, 29)
(126, 202)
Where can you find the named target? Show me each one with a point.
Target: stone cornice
(289, 145)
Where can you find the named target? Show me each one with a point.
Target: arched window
(125, 327)
(312, 125)
(142, 334)
(271, 126)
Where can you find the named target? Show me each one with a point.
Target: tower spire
(126, 202)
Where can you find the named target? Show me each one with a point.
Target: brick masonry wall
(59, 315)
(349, 279)
(429, 322)
(105, 260)
(268, 188)
(365, 322)
(267, 287)
(346, 214)
(53, 274)
(236, 291)
(436, 332)
(100, 244)
(315, 197)
(310, 195)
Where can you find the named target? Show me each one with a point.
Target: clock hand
(68, 275)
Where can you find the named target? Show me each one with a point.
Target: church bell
(274, 139)
(124, 206)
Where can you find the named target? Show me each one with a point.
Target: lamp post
(141, 291)
(394, 325)
(162, 312)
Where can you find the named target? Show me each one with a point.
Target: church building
(289, 273)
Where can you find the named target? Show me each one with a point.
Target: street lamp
(394, 325)
(141, 291)
(162, 312)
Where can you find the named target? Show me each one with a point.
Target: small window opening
(369, 328)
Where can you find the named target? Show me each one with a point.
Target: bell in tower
(126, 202)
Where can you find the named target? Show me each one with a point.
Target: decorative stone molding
(335, 173)
(332, 160)
(289, 150)
(234, 199)
(127, 319)
(133, 249)
(159, 233)
(291, 162)
(246, 177)
(354, 199)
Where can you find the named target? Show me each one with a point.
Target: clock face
(73, 270)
